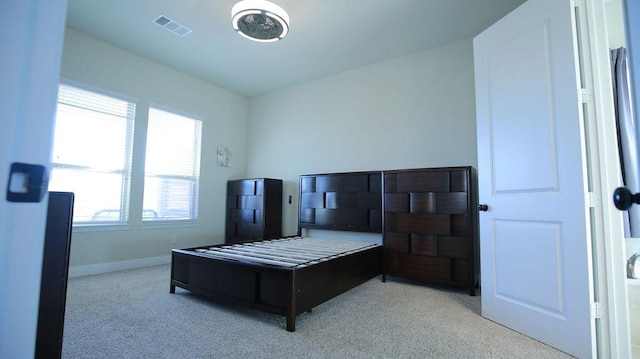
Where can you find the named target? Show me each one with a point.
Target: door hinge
(592, 200)
(577, 3)
(596, 310)
(585, 96)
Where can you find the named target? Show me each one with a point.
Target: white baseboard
(79, 271)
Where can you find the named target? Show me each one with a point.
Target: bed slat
(286, 252)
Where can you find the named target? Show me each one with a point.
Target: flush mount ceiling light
(260, 20)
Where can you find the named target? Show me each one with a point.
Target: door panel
(535, 254)
(538, 240)
(516, 119)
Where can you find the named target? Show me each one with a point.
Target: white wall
(410, 112)
(101, 65)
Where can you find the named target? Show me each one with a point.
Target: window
(92, 154)
(172, 167)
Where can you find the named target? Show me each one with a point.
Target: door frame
(604, 169)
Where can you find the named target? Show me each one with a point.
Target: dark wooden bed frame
(343, 201)
(277, 290)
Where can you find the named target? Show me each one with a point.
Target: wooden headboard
(341, 201)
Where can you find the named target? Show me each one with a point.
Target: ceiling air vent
(173, 26)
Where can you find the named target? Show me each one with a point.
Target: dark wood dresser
(254, 210)
(430, 225)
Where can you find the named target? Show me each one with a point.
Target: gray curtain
(627, 140)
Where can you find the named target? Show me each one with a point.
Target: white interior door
(535, 247)
(30, 68)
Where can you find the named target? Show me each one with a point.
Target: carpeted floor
(131, 314)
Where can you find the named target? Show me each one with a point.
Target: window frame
(194, 209)
(126, 172)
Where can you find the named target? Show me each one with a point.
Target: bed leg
(291, 305)
(172, 288)
(474, 289)
(384, 278)
(291, 324)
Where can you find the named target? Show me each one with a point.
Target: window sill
(100, 227)
(168, 224)
(125, 227)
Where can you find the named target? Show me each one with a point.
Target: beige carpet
(131, 314)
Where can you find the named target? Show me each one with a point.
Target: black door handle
(27, 182)
(483, 207)
(624, 199)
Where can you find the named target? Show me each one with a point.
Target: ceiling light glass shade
(260, 20)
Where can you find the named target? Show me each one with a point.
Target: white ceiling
(326, 37)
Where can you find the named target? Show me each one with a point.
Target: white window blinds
(172, 167)
(92, 154)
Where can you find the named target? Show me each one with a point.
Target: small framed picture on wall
(224, 156)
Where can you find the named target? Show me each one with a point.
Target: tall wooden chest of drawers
(430, 225)
(254, 210)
